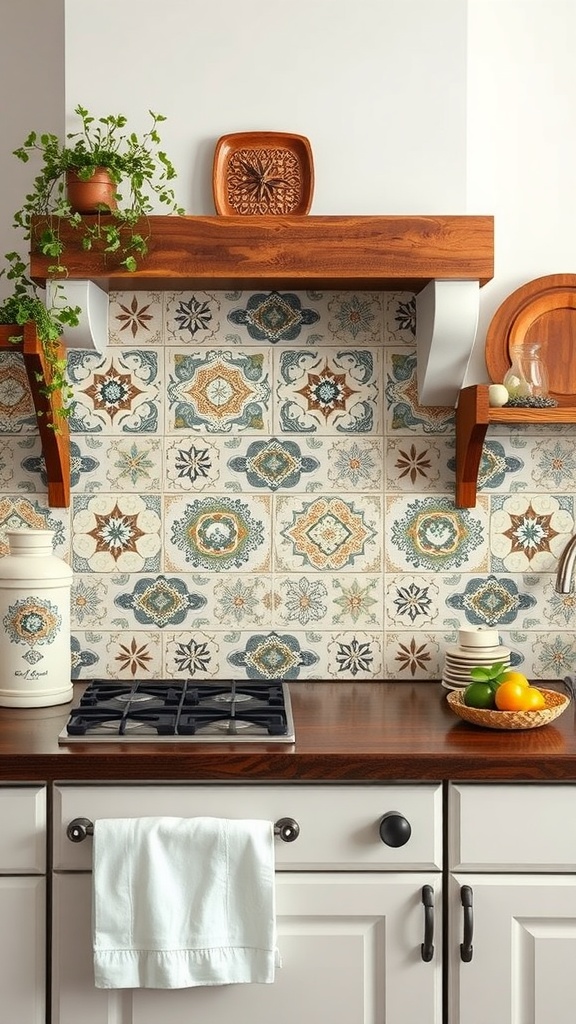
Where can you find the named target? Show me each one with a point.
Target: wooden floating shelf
(473, 417)
(290, 252)
(236, 252)
(55, 439)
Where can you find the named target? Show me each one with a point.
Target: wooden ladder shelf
(53, 428)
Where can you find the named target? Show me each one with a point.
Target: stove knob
(395, 829)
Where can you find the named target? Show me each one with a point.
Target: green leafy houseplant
(138, 167)
(139, 171)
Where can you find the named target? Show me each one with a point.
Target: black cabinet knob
(395, 829)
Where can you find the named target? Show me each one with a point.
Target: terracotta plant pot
(93, 195)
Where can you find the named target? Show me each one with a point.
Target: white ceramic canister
(35, 658)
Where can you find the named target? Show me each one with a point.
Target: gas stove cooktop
(181, 711)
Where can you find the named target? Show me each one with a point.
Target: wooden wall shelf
(343, 252)
(55, 442)
(289, 252)
(473, 417)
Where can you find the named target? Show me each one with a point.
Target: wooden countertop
(344, 732)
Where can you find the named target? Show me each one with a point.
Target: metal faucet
(566, 566)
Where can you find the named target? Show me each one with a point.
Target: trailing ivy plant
(138, 167)
(25, 305)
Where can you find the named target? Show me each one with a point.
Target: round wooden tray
(263, 173)
(542, 310)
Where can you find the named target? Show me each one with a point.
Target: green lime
(479, 695)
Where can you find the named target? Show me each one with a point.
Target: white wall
(32, 65)
(522, 142)
(378, 86)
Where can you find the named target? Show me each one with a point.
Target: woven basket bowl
(556, 703)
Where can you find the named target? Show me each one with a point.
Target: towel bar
(287, 829)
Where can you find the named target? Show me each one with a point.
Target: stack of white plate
(476, 647)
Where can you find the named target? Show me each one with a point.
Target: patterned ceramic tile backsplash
(257, 492)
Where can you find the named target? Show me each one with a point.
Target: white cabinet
(514, 847)
(351, 920)
(22, 904)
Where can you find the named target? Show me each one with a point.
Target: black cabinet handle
(427, 947)
(395, 829)
(466, 947)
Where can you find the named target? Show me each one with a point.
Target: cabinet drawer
(23, 832)
(339, 825)
(512, 827)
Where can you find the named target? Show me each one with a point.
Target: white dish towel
(179, 902)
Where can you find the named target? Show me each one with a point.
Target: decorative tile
(191, 465)
(13, 476)
(273, 464)
(399, 318)
(328, 533)
(127, 655)
(553, 462)
(356, 318)
(332, 391)
(355, 656)
(354, 464)
(115, 394)
(550, 655)
(133, 464)
(135, 318)
(403, 411)
(116, 533)
(84, 466)
(218, 391)
(89, 601)
(413, 656)
(192, 657)
(217, 533)
(271, 655)
(273, 317)
(356, 602)
(83, 657)
(16, 406)
(160, 601)
(241, 601)
(431, 535)
(303, 601)
(412, 602)
(558, 609)
(491, 601)
(17, 513)
(417, 464)
(529, 531)
(498, 470)
(191, 318)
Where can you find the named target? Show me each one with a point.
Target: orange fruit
(511, 676)
(534, 699)
(511, 696)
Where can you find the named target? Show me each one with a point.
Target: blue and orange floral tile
(217, 533)
(218, 391)
(118, 392)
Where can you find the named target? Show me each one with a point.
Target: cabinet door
(524, 950)
(22, 950)
(350, 947)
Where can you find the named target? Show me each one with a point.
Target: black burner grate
(181, 708)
